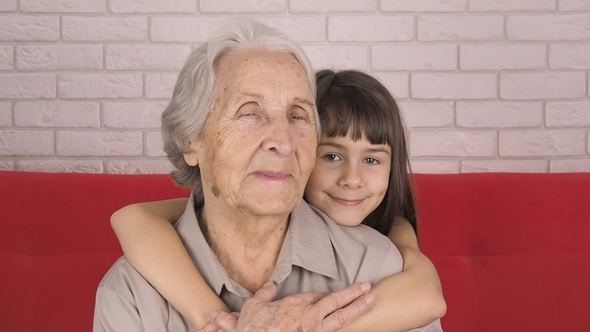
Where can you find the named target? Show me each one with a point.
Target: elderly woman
(242, 131)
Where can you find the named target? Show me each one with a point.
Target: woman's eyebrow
(306, 101)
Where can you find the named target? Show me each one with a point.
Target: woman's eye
(332, 157)
(248, 110)
(372, 161)
(298, 114)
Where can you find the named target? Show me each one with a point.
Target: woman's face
(259, 142)
(350, 178)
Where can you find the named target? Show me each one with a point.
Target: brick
(29, 28)
(502, 57)
(542, 143)
(152, 6)
(453, 86)
(397, 84)
(460, 28)
(337, 56)
(183, 29)
(61, 166)
(332, 6)
(574, 5)
(548, 27)
(95, 86)
(453, 143)
(6, 165)
(542, 85)
(568, 114)
(27, 86)
(414, 57)
(239, 6)
(139, 167)
(160, 86)
(499, 114)
(435, 166)
(57, 114)
(154, 147)
(427, 114)
(370, 28)
(511, 5)
(146, 57)
(569, 166)
(132, 114)
(8, 6)
(299, 28)
(569, 56)
(26, 143)
(94, 28)
(63, 6)
(99, 143)
(5, 114)
(499, 166)
(423, 5)
(59, 57)
(6, 57)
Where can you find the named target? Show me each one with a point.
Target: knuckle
(340, 317)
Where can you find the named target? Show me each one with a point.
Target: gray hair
(196, 90)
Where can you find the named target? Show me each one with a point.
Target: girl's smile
(350, 178)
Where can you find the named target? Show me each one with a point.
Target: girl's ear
(191, 157)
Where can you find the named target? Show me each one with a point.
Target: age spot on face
(215, 191)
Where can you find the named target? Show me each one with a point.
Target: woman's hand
(300, 312)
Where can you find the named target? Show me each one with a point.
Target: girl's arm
(404, 301)
(409, 299)
(153, 247)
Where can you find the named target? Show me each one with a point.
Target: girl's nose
(351, 177)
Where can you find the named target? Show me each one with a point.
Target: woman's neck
(246, 245)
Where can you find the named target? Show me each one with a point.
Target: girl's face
(350, 178)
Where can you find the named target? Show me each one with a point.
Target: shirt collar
(307, 245)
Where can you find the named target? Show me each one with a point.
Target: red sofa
(512, 250)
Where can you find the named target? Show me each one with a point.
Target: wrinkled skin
(305, 312)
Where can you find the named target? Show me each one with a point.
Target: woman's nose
(279, 137)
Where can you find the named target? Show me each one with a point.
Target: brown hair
(353, 103)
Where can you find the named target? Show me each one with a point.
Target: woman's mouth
(272, 176)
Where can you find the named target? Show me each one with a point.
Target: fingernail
(269, 283)
(365, 286)
(213, 314)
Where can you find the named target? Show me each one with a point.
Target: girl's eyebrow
(377, 150)
(342, 146)
(332, 144)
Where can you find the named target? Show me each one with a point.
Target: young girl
(361, 175)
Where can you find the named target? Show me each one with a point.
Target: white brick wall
(6, 57)
(8, 6)
(483, 85)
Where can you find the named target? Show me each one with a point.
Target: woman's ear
(191, 157)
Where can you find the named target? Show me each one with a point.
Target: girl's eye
(372, 161)
(332, 157)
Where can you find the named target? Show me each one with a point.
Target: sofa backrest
(56, 243)
(512, 250)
